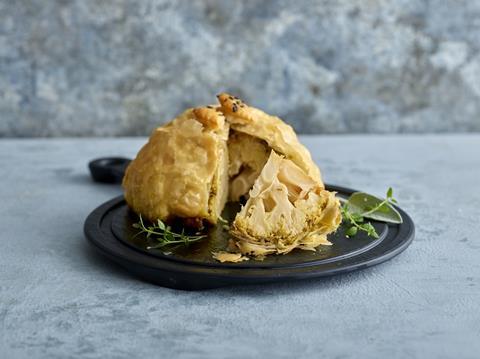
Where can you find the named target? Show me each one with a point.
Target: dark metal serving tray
(109, 229)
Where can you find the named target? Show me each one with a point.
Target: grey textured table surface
(59, 299)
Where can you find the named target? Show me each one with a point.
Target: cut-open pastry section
(270, 129)
(247, 156)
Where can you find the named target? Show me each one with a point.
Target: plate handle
(108, 169)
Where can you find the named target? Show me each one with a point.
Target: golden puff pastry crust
(271, 129)
(183, 169)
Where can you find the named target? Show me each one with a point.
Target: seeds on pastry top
(271, 129)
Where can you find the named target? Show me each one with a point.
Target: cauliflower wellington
(209, 155)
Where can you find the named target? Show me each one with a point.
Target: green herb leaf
(351, 231)
(169, 237)
(363, 205)
(368, 227)
(390, 192)
(160, 224)
(368, 206)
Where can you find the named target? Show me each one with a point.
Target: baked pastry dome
(286, 209)
(191, 166)
(182, 172)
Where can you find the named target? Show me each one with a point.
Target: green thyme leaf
(390, 192)
(351, 231)
(160, 224)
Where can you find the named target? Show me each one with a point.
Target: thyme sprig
(164, 235)
(363, 205)
(356, 222)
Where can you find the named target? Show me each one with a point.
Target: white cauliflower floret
(286, 209)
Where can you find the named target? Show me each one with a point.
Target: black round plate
(109, 229)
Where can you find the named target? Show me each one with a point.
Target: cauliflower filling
(286, 209)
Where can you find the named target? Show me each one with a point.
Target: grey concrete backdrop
(77, 67)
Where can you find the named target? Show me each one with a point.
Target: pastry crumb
(229, 257)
